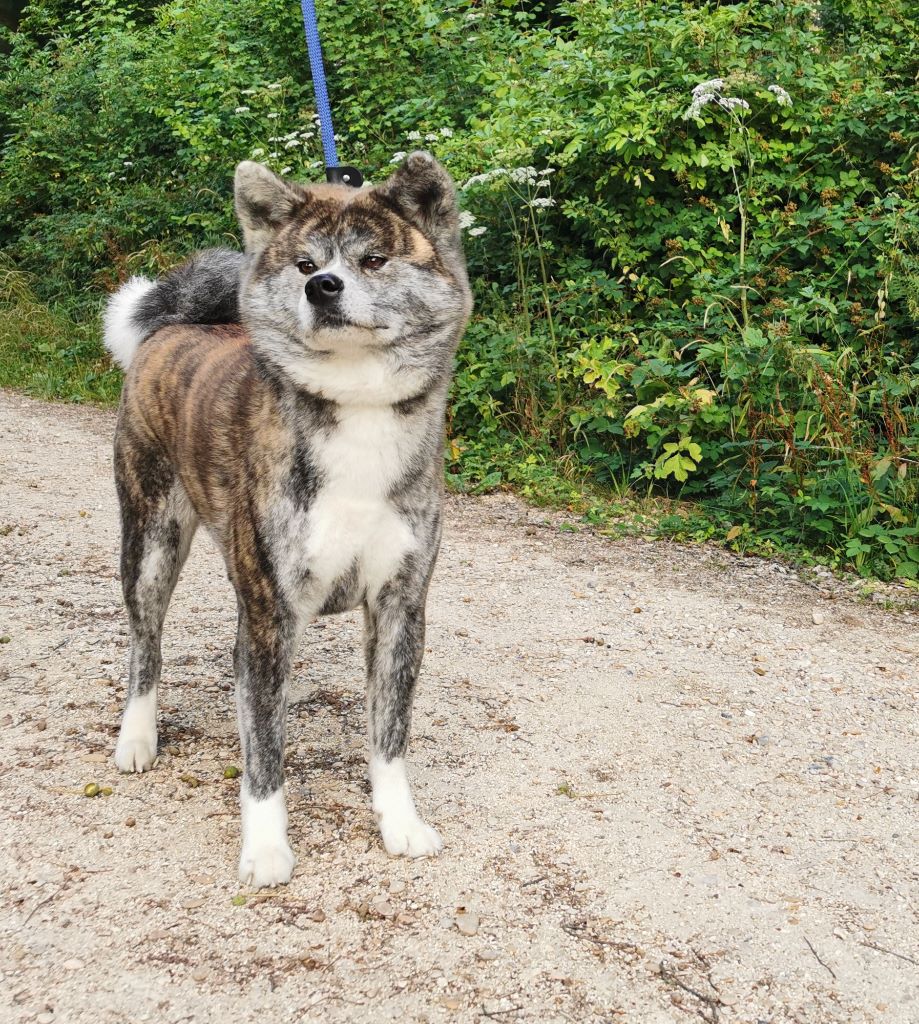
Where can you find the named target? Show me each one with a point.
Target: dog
(291, 398)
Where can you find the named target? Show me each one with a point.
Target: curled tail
(202, 290)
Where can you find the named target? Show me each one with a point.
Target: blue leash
(334, 172)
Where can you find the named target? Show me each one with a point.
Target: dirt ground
(673, 785)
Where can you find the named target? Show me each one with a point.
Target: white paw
(263, 865)
(135, 753)
(136, 747)
(405, 836)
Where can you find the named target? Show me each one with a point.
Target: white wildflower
(466, 220)
(475, 232)
(542, 201)
(275, 85)
(784, 100)
(291, 143)
(273, 116)
(430, 137)
(480, 179)
(414, 136)
(474, 15)
(523, 175)
(258, 152)
(447, 133)
(286, 170)
(128, 163)
(698, 102)
(274, 154)
(710, 87)
(710, 92)
(543, 183)
(546, 171)
(241, 110)
(248, 92)
(396, 157)
(733, 103)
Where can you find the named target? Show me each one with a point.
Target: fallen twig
(494, 1014)
(42, 903)
(890, 952)
(710, 1001)
(822, 963)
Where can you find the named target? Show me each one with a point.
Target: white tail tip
(122, 335)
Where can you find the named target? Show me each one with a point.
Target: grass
(48, 351)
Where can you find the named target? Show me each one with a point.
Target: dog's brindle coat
(308, 440)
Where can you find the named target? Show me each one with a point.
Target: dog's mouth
(333, 322)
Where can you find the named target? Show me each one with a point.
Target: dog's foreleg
(262, 658)
(394, 642)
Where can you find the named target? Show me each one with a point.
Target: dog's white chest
(352, 525)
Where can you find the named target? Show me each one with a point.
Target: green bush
(714, 298)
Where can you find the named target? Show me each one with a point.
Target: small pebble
(383, 907)
(818, 617)
(129, 822)
(467, 924)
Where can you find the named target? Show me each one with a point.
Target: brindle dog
(292, 400)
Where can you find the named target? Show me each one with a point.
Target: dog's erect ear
(422, 193)
(264, 202)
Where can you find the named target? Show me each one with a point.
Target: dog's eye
(306, 267)
(373, 262)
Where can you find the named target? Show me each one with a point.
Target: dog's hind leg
(158, 524)
(393, 645)
(261, 657)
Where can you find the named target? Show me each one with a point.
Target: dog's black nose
(322, 289)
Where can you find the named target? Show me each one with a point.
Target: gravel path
(673, 785)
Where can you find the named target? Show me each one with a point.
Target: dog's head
(371, 276)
